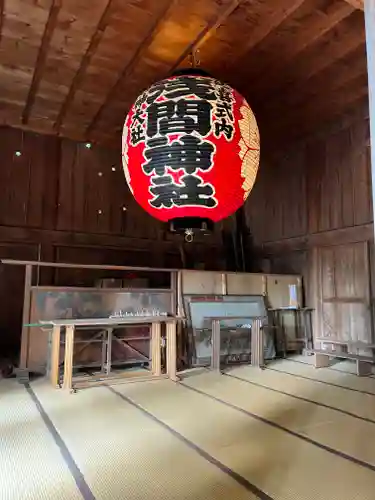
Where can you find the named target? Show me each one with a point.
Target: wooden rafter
(41, 59)
(202, 37)
(265, 75)
(357, 4)
(151, 35)
(207, 31)
(2, 4)
(94, 43)
(286, 9)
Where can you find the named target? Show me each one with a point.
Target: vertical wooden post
(108, 364)
(369, 7)
(257, 344)
(215, 356)
(171, 351)
(155, 349)
(68, 360)
(55, 356)
(174, 293)
(26, 316)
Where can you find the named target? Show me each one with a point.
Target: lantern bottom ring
(191, 225)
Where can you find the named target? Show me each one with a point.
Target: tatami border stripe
(322, 381)
(234, 475)
(306, 400)
(281, 428)
(330, 368)
(79, 479)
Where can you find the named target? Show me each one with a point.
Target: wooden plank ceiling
(73, 67)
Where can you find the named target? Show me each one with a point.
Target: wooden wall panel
(321, 185)
(63, 201)
(311, 214)
(11, 295)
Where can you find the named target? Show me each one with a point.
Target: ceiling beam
(267, 71)
(207, 31)
(341, 43)
(2, 6)
(151, 35)
(268, 24)
(94, 43)
(202, 37)
(41, 59)
(333, 79)
(357, 4)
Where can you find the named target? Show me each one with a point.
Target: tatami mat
(125, 455)
(355, 403)
(31, 465)
(325, 426)
(328, 375)
(210, 437)
(336, 364)
(284, 466)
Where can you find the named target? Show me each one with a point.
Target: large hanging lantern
(190, 150)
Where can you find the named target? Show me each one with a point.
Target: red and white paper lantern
(190, 149)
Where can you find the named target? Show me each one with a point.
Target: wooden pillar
(68, 360)
(26, 316)
(171, 351)
(215, 356)
(155, 349)
(55, 356)
(257, 344)
(369, 7)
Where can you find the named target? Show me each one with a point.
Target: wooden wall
(311, 213)
(61, 201)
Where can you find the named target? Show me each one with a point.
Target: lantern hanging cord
(189, 235)
(194, 58)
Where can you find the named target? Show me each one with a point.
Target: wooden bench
(363, 363)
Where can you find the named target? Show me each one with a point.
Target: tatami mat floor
(288, 432)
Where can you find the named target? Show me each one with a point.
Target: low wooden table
(109, 324)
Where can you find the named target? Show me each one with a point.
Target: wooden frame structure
(30, 265)
(155, 323)
(257, 341)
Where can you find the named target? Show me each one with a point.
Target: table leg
(68, 361)
(109, 351)
(321, 360)
(171, 351)
(215, 358)
(257, 344)
(155, 349)
(55, 356)
(104, 350)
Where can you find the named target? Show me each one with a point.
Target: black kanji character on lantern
(223, 127)
(137, 117)
(224, 93)
(188, 153)
(140, 100)
(224, 110)
(183, 86)
(136, 134)
(190, 192)
(171, 117)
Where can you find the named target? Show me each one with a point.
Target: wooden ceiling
(73, 67)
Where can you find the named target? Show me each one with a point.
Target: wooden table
(257, 340)
(109, 324)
